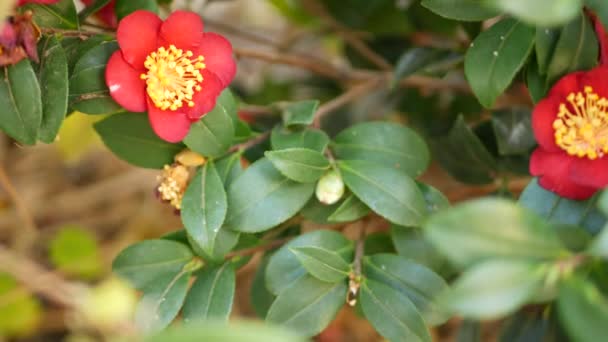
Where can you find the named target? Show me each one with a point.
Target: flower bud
(330, 188)
(189, 158)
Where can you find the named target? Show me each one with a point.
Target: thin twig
(249, 143)
(22, 238)
(359, 251)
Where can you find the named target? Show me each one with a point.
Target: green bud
(330, 188)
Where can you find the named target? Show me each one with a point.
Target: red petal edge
(217, 51)
(126, 86)
(182, 29)
(205, 99)
(137, 36)
(168, 125)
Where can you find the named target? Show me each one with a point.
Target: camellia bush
(330, 183)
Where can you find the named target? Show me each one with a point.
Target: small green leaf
(20, 102)
(583, 310)
(385, 190)
(60, 15)
(300, 113)
(314, 139)
(495, 288)
(308, 305)
(229, 168)
(415, 59)
(284, 268)
(322, 264)
(541, 12)
(544, 45)
(351, 209)
(383, 143)
(53, 77)
(318, 212)
(465, 10)
(92, 9)
(74, 251)
(492, 228)
(434, 199)
(495, 57)
(391, 313)
(213, 134)
(536, 83)
(600, 9)
(161, 301)
(211, 295)
(262, 198)
(259, 296)
(125, 7)
(299, 164)
(131, 138)
(411, 243)
(204, 207)
(76, 47)
(144, 262)
(513, 130)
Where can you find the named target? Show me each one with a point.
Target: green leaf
(464, 156)
(470, 331)
(434, 199)
(351, 209)
(144, 262)
(284, 268)
(544, 44)
(391, 313)
(465, 10)
(299, 164)
(76, 47)
(513, 130)
(61, 15)
(576, 49)
(89, 93)
(130, 137)
(583, 310)
(411, 243)
(559, 210)
(126, 7)
(600, 9)
(314, 139)
(383, 143)
(308, 305)
(53, 77)
(92, 9)
(300, 113)
(259, 296)
(21, 312)
(385, 190)
(318, 212)
(229, 168)
(599, 247)
(74, 251)
(495, 57)
(262, 198)
(495, 288)
(418, 283)
(211, 295)
(213, 134)
(204, 207)
(414, 60)
(20, 102)
(161, 301)
(536, 83)
(322, 264)
(541, 12)
(492, 228)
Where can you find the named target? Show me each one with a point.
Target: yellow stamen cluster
(173, 182)
(581, 127)
(173, 77)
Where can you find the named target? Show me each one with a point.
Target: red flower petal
(126, 86)
(204, 100)
(554, 172)
(182, 29)
(217, 51)
(137, 36)
(168, 125)
(545, 112)
(566, 85)
(592, 173)
(598, 79)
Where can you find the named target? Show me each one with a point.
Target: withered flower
(18, 37)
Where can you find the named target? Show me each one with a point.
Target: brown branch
(23, 239)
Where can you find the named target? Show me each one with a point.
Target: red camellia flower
(171, 69)
(571, 127)
(106, 14)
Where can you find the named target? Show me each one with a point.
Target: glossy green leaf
(492, 228)
(211, 295)
(314, 139)
(76, 47)
(20, 102)
(262, 198)
(308, 305)
(415, 59)
(544, 46)
(435, 200)
(259, 296)
(126, 7)
(600, 9)
(416, 282)
(411, 243)
(351, 209)
(576, 49)
(144, 262)
(74, 251)
(495, 288)
(318, 212)
(536, 83)
(229, 168)
(392, 313)
(131, 138)
(213, 134)
(53, 77)
(583, 309)
(385, 190)
(322, 264)
(284, 268)
(299, 164)
(385, 143)
(495, 57)
(300, 113)
(466, 10)
(541, 12)
(61, 15)
(161, 301)
(204, 207)
(513, 130)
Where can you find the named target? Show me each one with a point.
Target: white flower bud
(330, 188)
